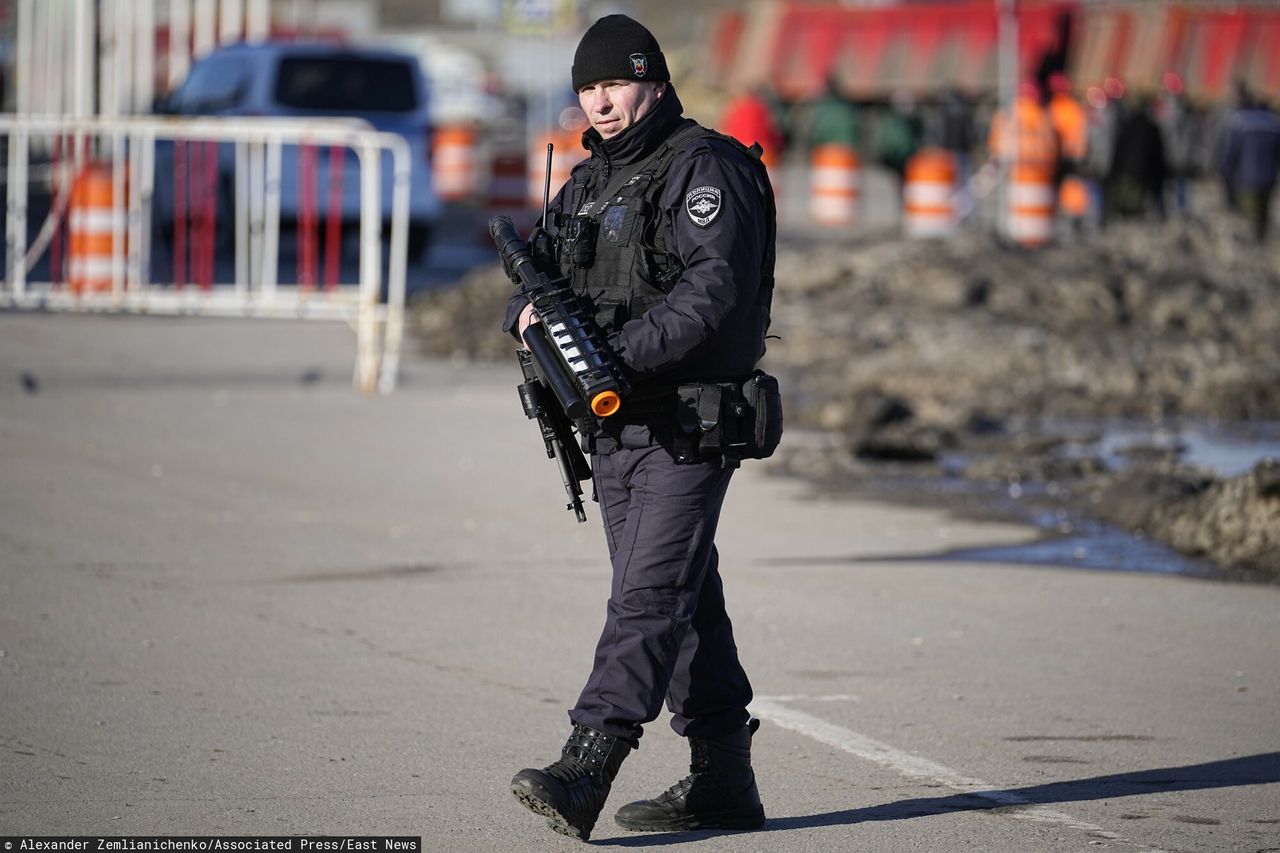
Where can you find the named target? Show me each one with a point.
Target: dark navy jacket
(1249, 158)
(712, 319)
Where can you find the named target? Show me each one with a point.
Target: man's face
(614, 105)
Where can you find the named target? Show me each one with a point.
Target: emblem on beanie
(703, 205)
(639, 64)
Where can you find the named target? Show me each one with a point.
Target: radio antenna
(546, 187)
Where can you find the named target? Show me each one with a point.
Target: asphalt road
(237, 598)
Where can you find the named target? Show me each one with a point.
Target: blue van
(304, 79)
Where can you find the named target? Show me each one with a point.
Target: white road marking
(810, 697)
(773, 709)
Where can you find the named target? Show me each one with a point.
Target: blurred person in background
(1249, 157)
(1136, 180)
(783, 112)
(1173, 115)
(956, 130)
(833, 118)
(898, 134)
(1208, 122)
(1105, 109)
(749, 118)
(667, 231)
(1071, 123)
(1029, 133)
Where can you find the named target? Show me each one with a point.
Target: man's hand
(527, 319)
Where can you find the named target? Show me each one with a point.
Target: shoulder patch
(703, 205)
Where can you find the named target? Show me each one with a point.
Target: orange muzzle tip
(606, 403)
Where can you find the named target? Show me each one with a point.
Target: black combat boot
(571, 792)
(719, 792)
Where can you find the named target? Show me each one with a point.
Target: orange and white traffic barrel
(928, 187)
(1031, 204)
(566, 153)
(90, 236)
(508, 182)
(834, 185)
(453, 163)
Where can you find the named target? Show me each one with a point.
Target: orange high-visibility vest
(1037, 141)
(1071, 123)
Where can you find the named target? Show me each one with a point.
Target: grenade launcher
(566, 355)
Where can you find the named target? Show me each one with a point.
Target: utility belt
(732, 420)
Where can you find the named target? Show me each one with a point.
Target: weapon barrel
(513, 249)
(506, 237)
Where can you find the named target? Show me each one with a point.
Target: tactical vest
(614, 253)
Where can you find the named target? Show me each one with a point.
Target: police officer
(668, 230)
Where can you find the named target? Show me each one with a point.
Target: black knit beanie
(618, 48)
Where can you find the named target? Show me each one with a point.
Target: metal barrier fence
(102, 177)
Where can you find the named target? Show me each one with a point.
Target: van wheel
(419, 240)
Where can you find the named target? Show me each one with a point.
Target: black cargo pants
(666, 632)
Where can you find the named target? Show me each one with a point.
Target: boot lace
(699, 766)
(583, 753)
(680, 789)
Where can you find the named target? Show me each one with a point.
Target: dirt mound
(1234, 522)
(1141, 322)
(464, 322)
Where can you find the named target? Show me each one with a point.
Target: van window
(217, 83)
(344, 84)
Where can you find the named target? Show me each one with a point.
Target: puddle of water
(1093, 546)
(1070, 539)
(1228, 452)
(1096, 545)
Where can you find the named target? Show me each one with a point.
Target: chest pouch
(578, 242)
(616, 224)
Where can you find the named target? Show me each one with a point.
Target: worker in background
(1071, 123)
(956, 131)
(1174, 118)
(1030, 131)
(1025, 133)
(1135, 182)
(749, 119)
(1249, 158)
(898, 134)
(833, 118)
(1105, 108)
